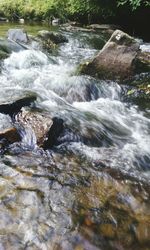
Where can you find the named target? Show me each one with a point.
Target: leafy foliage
(81, 9)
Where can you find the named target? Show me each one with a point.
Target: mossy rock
(138, 91)
(142, 62)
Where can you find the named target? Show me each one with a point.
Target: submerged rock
(119, 59)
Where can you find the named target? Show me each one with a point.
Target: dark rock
(116, 60)
(142, 62)
(13, 104)
(138, 90)
(49, 40)
(3, 54)
(53, 36)
(54, 132)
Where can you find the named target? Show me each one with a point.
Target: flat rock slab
(13, 101)
(103, 27)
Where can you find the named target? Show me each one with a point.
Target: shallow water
(90, 191)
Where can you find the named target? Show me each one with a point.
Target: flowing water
(91, 190)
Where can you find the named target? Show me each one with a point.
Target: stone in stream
(43, 126)
(50, 40)
(7, 47)
(53, 36)
(17, 35)
(14, 101)
(138, 90)
(119, 59)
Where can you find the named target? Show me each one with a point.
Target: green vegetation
(83, 10)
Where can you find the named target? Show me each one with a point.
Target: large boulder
(119, 59)
(17, 35)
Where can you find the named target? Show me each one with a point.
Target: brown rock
(11, 135)
(40, 123)
(116, 59)
(7, 130)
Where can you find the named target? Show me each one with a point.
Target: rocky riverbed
(74, 149)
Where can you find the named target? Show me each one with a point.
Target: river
(91, 191)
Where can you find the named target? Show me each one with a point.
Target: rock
(7, 130)
(142, 62)
(56, 21)
(8, 47)
(40, 123)
(116, 60)
(3, 19)
(72, 28)
(52, 36)
(17, 35)
(49, 40)
(13, 102)
(44, 127)
(103, 27)
(138, 90)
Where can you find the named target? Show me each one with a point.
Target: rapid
(91, 190)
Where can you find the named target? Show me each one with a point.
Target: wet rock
(17, 35)
(7, 47)
(8, 133)
(45, 128)
(40, 123)
(142, 62)
(13, 103)
(116, 60)
(50, 40)
(108, 208)
(138, 90)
